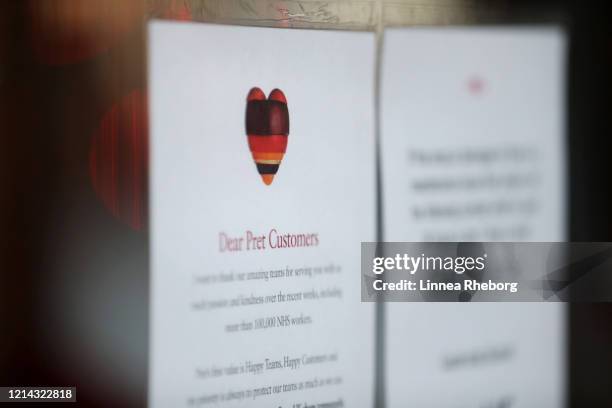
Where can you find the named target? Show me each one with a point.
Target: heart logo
(267, 129)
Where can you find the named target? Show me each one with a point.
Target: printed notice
(262, 188)
(472, 150)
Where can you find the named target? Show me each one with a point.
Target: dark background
(74, 245)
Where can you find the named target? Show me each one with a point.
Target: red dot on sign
(476, 85)
(118, 164)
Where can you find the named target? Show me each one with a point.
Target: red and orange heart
(267, 129)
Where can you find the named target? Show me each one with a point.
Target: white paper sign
(255, 288)
(473, 150)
